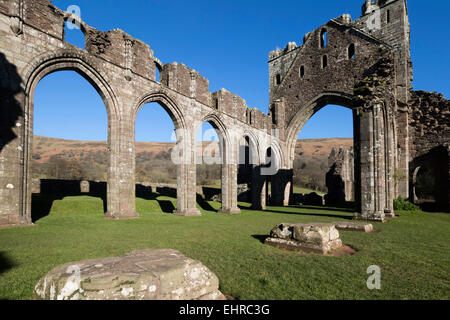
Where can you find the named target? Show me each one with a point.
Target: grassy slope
(412, 251)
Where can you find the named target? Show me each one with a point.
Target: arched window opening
(245, 169)
(216, 103)
(157, 73)
(277, 80)
(70, 150)
(74, 35)
(323, 168)
(209, 158)
(269, 156)
(302, 72)
(155, 171)
(430, 180)
(323, 38)
(324, 62)
(351, 51)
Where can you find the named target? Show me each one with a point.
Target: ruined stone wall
(387, 20)
(340, 179)
(429, 137)
(429, 122)
(364, 65)
(340, 74)
(122, 70)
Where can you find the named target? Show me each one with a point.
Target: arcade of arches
(396, 129)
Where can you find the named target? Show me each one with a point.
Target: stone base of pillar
(187, 213)
(230, 211)
(376, 217)
(258, 207)
(122, 216)
(9, 221)
(16, 225)
(389, 214)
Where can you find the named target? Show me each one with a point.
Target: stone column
(229, 189)
(402, 167)
(15, 153)
(258, 189)
(186, 175)
(229, 180)
(371, 169)
(390, 165)
(281, 187)
(121, 194)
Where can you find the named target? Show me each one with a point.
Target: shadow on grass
(166, 206)
(260, 238)
(312, 214)
(5, 262)
(432, 207)
(204, 204)
(337, 209)
(41, 204)
(270, 209)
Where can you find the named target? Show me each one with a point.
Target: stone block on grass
(319, 238)
(141, 275)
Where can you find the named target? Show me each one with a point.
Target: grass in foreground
(412, 251)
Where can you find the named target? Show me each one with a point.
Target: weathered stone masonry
(122, 70)
(364, 65)
(343, 62)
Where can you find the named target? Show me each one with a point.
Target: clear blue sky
(227, 42)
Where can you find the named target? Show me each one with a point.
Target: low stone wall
(312, 199)
(59, 186)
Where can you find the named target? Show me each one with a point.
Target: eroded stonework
(140, 275)
(340, 179)
(319, 238)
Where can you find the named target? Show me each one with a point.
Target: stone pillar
(121, 187)
(258, 189)
(15, 153)
(402, 166)
(186, 175)
(229, 189)
(371, 169)
(229, 179)
(390, 165)
(281, 187)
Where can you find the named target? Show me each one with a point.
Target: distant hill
(88, 160)
(44, 148)
(321, 147)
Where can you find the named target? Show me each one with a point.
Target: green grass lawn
(303, 190)
(412, 251)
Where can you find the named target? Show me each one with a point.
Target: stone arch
(184, 205)
(254, 141)
(219, 126)
(307, 111)
(167, 103)
(434, 167)
(229, 149)
(414, 180)
(76, 19)
(277, 151)
(80, 62)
